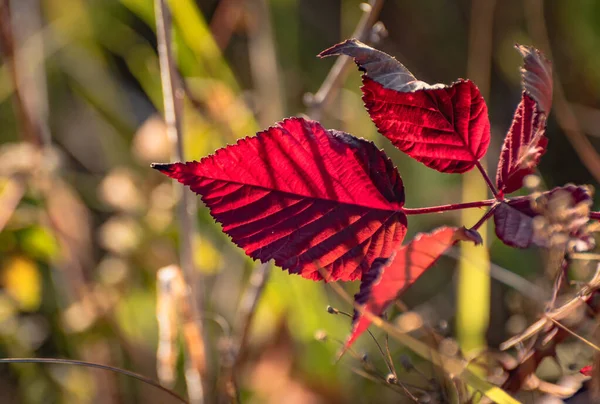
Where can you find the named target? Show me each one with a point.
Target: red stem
(487, 179)
(445, 208)
(485, 217)
(595, 215)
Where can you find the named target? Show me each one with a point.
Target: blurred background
(85, 224)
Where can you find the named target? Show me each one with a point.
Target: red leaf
(307, 197)
(586, 370)
(526, 142)
(560, 211)
(389, 278)
(444, 127)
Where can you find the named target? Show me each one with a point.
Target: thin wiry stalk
(246, 311)
(172, 93)
(57, 361)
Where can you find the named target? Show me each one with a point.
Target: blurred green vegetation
(86, 224)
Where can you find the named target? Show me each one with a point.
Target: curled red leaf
(444, 127)
(306, 197)
(389, 278)
(526, 142)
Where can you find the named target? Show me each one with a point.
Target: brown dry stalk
(172, 96)
(168, 290)
(173, 306)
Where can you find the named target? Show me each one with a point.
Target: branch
(445, 208)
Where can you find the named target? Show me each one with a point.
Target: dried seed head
(332, 310)
(391, 378)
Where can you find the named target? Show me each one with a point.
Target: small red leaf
(444, 127)
(307, 197)
(389, 278)
(526, 142)
(561, 213)
(586, 370)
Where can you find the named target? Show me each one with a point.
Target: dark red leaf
(389, 278)
(560, 211)
(444, 127)
(307, 197)
(513, 227)
(526, 142)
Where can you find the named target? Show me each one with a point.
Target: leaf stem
(452, 206)
(485, 217)
(487, 179)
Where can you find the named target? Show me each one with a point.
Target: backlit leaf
(389, 278)
(444, 127)
(526, 142)
(307, 197)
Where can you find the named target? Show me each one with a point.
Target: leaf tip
(338, 49)
(473, 235)
(162, 167)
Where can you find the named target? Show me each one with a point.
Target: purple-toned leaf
(389, 278)
(444, 127)
(513, 227)
(526, 142)
(560, 211)
(306, 197)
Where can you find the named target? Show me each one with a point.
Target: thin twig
(579, 337)
(172, 94)
(246, 311)
(321, 99)
(57, 361)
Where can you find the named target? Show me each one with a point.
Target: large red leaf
(307, 197)
(561, 213)
(526, 142)
(444, 127)
(389, 278)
